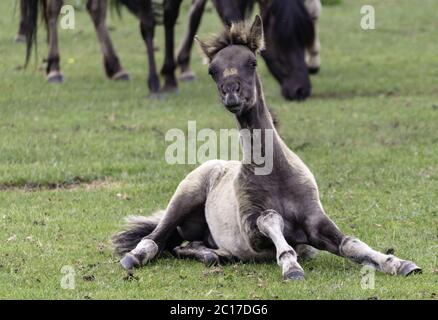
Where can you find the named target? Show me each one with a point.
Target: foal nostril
(230, 87)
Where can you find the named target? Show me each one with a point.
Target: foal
(226, 208)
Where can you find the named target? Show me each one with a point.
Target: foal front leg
(271, 224)
(325, 235)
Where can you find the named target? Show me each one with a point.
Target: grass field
(369, 134)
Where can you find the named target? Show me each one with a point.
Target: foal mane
(239, 33)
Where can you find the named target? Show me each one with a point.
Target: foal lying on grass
(226, 210)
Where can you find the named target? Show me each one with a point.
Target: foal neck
(258, 115)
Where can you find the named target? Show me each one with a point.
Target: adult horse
(291, 28)
(144, 10)
(230, 209)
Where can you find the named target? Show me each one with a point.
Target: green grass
(369, 134)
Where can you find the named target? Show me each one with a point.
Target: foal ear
(256, 37)
(205, 48)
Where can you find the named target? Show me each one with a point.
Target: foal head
(232, 64)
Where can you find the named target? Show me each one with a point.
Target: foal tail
(30, 10)
(138, 227)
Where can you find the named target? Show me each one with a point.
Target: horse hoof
(313, 70)
(156, 96)
(129, 262)
(408, 268)
(20, 38)
(169, 90)
(187, 76)
(55, 77)
(122, 75)
(294, 275)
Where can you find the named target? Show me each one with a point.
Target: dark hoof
(121, 76)
(294, 275)
(313, 70)
(129, 262)
(20, 38)
(210, 259)
(408, 268)
(187, 76)
(55, 77)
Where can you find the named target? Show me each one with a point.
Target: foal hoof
(407, 268)
(294, 275)
(129, 262)
(187, 76)
(210, 259)
(55, 77)
(313, 70)
(122, 75)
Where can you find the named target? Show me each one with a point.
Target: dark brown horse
(144, 10)
(290, 32)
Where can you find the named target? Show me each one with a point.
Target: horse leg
(189, 197)
(97, 10)
(53, 72)
(22, 30)
(183, 56)
(271, 224)
(324, 234)
(147, 28)
(229, 11)
(171, 11)
(313, 52)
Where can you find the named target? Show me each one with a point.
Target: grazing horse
(142, 9)
(292, 39)
(229, 211)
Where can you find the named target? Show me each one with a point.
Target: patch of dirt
(76, 183)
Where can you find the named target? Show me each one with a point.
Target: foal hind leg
(198, 251)
(97, 10)
(313, 52)
(190, 195)
(53, 72)
(325, 235)
(183, 56)
(271, 224)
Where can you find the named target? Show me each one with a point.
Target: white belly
(222, 215)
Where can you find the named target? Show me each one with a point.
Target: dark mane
(237, 34)
(293, 27)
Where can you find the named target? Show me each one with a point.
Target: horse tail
(293, 24)
(138, 227)
(30, 17)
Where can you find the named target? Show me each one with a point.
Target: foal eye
(212, 71)
(253, 63)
